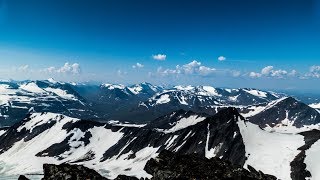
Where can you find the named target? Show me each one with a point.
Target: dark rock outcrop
(298, 167)
(174, 166)
(220, 130)
(22, 177)
(124, 177)
(167, 166)
(72, 172)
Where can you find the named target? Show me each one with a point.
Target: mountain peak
(51, 80)
(114, 86)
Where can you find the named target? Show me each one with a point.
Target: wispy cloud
(192, 68)
(23, 68)
(137, 65)
(196, 68)
(314, 71)
(269, 71)
(121, 73)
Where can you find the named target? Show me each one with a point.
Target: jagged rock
(174, 166)
(22, 177)
(124, 177)
(72, 172)
(298, 166)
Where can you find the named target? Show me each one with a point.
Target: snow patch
(211, 90)
(62, 93)
(257, 93)
(312, 160)
(315, 105)
(184, 123)
(210, 153)
(118, 123)
(38, 119)
(130, 167)
(2, 132)
(135, 89)
(270, 152)
(114, 86)
(32, 87)
(165, 98)
(184, 88)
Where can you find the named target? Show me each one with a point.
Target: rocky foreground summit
(167, 166)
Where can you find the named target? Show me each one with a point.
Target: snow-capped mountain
(201, 99)
(121, 92)
(17, 98)
(116, 101)
(114, 149)
(144, 102)
(208, 95)
(285, 111)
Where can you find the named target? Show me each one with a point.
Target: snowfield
(184, 123)
(256, 93)
(2, 132)
(312, 160)
(21, 159)
(62, 93)
(315, 105)
(270, 152)
(165, 98)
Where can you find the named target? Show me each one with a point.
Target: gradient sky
(103, 40)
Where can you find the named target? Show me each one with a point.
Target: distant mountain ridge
(144, 102)
(17, 98)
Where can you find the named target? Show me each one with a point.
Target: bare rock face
(75, 172)
(174, 166)
(22, 177)
(70, 172)
(124, 177)
(167, 166)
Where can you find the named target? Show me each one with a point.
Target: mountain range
(116, 149)
(116, 129)
(141, 103)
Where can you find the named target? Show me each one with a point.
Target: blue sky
(261, 43)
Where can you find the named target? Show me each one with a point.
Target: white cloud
(279, 73)
(138, 65)
(255, 75)
(315, 69)
(50, 69)
(266, 70)
(205, 71)
(121, 73)
(235, 73)
(221, 58)
(67, 68)
(23, 68)
(192, 68)
(293, 73)
(70, 68)
(314, 72)
(269, 71)
(159, 57)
